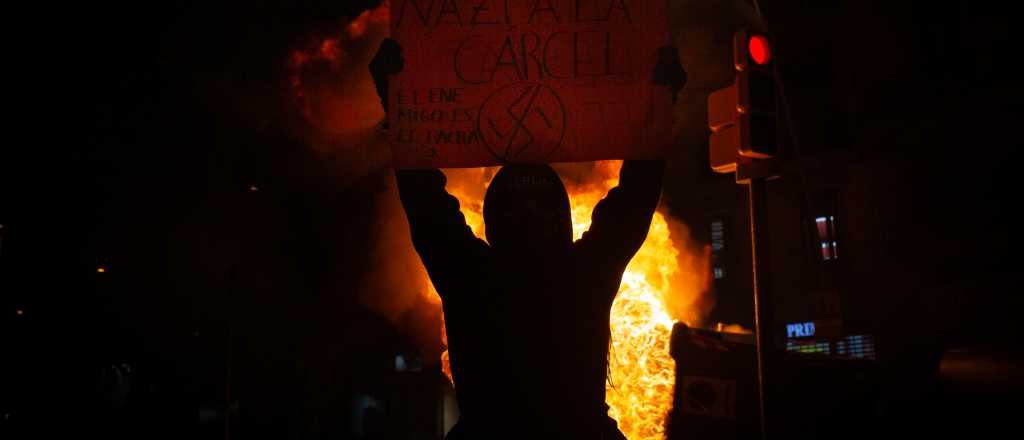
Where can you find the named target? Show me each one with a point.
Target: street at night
(505, 219)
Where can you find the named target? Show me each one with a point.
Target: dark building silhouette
(889, 223)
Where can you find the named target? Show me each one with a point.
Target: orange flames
(664, 283)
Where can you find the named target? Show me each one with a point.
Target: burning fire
(665, 282)
(642, 376)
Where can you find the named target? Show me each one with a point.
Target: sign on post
(490, 82)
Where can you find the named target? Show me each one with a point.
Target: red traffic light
(759, 48)
(752, 49)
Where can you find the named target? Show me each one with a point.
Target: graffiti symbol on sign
(522, 120)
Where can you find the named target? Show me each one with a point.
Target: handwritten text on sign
(488, 82)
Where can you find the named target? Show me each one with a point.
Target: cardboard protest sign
(489, 82)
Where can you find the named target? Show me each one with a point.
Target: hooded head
(526, 209)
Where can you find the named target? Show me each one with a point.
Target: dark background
(132, 161)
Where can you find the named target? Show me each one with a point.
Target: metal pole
(762, 318)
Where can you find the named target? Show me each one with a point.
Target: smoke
(691, 298)
(397, 286)
(703, 32)
(338, 113)
(332, 96)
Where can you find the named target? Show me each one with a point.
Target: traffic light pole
(762, 310)
(744, 140)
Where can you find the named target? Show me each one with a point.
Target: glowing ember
(639, 389)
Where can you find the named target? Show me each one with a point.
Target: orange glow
(642, 373)
(357, 27)
(446, 366)
(328, 81)
(101, 269)
(732, 328)
(666, 282)
(19, 312)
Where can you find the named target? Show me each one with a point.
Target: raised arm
(442, 238)
(620, 222)
(440, 234)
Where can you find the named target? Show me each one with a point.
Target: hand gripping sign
(490, 82)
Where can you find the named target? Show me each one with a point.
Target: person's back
(527, 315)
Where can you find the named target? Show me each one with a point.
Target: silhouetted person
(527, 311)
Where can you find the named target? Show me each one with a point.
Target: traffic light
(742, 116)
